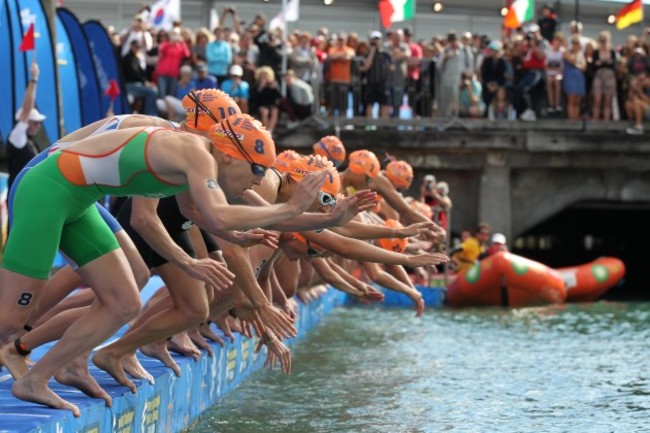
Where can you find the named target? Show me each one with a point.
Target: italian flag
(394, 11)
(519, 12)
(629, 14)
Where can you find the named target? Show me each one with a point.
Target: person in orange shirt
(340, 56)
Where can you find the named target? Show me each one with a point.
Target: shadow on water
(588, 230)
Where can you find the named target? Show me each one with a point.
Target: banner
(288, 14)
(88, 85)
(107, 66)
(68, 79)
(7, 81)
(164, 13)
(17, 59)
(31, 12)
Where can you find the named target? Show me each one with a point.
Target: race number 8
(259, 146)
(25, 299)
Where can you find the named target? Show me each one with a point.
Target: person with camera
(171, 54)
(265, 97)
(470, 103)
(534, 59)
(138, 32)
(436, 196)
(377, 66)
(219, 55)
(493, 71)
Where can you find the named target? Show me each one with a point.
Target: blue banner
(31, 12)
(106, 65)
(88, 85)
(18, 63)
(6, 66)
(68, 79)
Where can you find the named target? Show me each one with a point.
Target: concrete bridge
(514, 175)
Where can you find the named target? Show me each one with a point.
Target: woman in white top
(554, 73)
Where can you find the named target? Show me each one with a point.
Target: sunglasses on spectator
(326, 199)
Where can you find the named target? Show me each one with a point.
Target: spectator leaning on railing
(340, 70)
(377, 67)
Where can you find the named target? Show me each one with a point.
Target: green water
(579, 368)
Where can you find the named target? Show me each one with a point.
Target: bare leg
(273, 119)
(118, 299)
(190, 308)
(182, 344)
(60, 285)
(607, 107)
(18, 297)
(158, 350)
(76, 374)
(595, 107)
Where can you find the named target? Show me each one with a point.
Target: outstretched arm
(360, 250)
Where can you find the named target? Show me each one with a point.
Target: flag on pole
(289, 14)
(629, 14)
(519, 12)
(164, 13)
(27, 44)
(214, 19)
(394, 11)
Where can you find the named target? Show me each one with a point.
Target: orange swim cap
(393, 244)
(331, 148)
(364, 162)
(400, 174)
(313, 250)
(315, 163)
(243, 137)
(284, 159)
(423, 208)
(206, 108)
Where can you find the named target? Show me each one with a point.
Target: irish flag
(394, 11)
(629, 14)
(519, 12)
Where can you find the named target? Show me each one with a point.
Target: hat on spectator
(451, 36)
(364, 162)
(34, 115)
(393, 244)
(407, 31)
(236, 71)
(202, 67)
(186, 69)
(495, 45)
(341, 35)
(499, 238)
(533, 28)
(374, 35)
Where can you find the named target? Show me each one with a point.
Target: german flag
(629, 14)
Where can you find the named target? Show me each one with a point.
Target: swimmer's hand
(369, 295)
(277, 351)
(209, 271)
(306, 190)
(417, 299)
(436, 234)
(415, 230)
(255, 237)
(426, 259)
(348, 207)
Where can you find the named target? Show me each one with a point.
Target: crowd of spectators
(523, 74)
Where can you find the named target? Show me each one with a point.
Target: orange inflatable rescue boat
(588, 282)
(508, 280)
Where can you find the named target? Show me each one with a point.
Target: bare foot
(111, 365)
(15, 363)
(200, 342)
(131, 365)
(208, 333)
(76, 374)
(27, 390)
(158, 350)
(181, 343)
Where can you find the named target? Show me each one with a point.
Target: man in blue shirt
(204, 80)
(237, 88)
